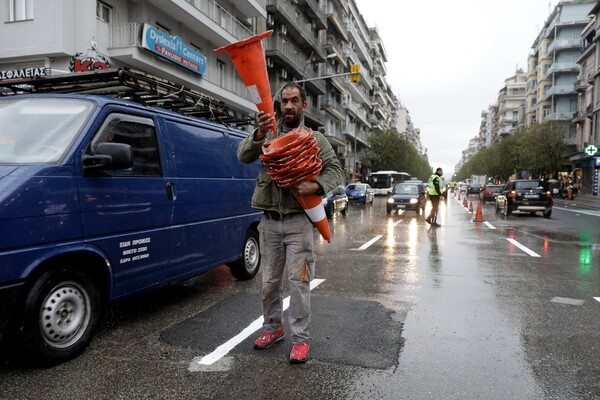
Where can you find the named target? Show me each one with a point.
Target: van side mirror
(109, 156)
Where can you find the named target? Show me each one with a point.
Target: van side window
(140, 134)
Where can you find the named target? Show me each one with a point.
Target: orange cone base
(313, 207)
(248, 58)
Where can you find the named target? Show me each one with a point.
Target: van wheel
(60, 314)
(247, 266)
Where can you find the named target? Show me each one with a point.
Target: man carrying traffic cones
(285, 231)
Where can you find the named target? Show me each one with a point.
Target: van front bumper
(9, 295)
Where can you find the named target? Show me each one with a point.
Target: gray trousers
(287, 245)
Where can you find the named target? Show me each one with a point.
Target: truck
(480, 180)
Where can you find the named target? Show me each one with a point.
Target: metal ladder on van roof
(137, 86)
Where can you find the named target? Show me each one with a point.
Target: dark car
(335, 201)
(527, 195)
(490, 192)
(407, 196)
(474, 188)
(360, 192)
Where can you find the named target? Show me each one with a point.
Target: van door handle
(171, 191)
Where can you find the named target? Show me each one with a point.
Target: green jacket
(267, 194)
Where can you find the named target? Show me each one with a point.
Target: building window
(103, 12)
(220, 73)
(20, 10)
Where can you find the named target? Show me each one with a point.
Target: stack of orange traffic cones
(292, 158)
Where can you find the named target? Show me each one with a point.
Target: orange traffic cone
(471, 207)
(465, 202)
(313, 207)
(248, 58)
(458, 196)
(479, 213)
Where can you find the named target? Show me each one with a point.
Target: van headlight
(414, 201)
(391, 200)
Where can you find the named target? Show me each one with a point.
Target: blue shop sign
(173, 49)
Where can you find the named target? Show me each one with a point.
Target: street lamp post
(319, 61)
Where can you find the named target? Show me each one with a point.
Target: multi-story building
(588, 105)
(170, 39)
(175, 40)
(510, 99)
(553, 66)
(403, 124)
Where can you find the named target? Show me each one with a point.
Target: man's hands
(266, 123)
(305, 188)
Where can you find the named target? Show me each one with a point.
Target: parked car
(490, 192)
(407, 196)
(528, 195)
(335, 201)
(103, 199)
(360, 193)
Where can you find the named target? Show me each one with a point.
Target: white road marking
(226, 347)
(566, 300)
(597, 298)
(489, 225)
(398, 222)
(525, 249)
(369, 243)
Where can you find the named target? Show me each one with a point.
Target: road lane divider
(525, 249)
(226, 347)
(368, 244)
(489, 225)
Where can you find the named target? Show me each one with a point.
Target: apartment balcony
(578, 118)
(313, 7)
(580, 86)
(333, 47)
(561, 44)
(287, 54)
(379, 112)
(282, 15)
(358, 91)
(559, 91)
(334, 108)
(220, 26)
(559, 116)
(359, 42)
(336, 20)
(562, 67)
(314, 116)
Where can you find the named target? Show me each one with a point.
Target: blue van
(102, 199)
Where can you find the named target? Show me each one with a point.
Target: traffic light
(355, 73)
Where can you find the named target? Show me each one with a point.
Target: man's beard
(294, 122)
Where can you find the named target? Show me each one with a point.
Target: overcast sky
(447, 60)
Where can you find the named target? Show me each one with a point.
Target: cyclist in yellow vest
(434, 191)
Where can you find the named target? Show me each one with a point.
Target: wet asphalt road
(503, 309)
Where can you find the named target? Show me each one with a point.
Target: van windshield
(39, 130)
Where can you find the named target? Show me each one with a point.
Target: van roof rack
(137, 86)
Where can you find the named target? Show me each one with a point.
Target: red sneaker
(299, 353)
(268, 339)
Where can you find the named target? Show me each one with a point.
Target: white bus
(383, 182)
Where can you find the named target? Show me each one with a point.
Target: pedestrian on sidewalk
(286, 233)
